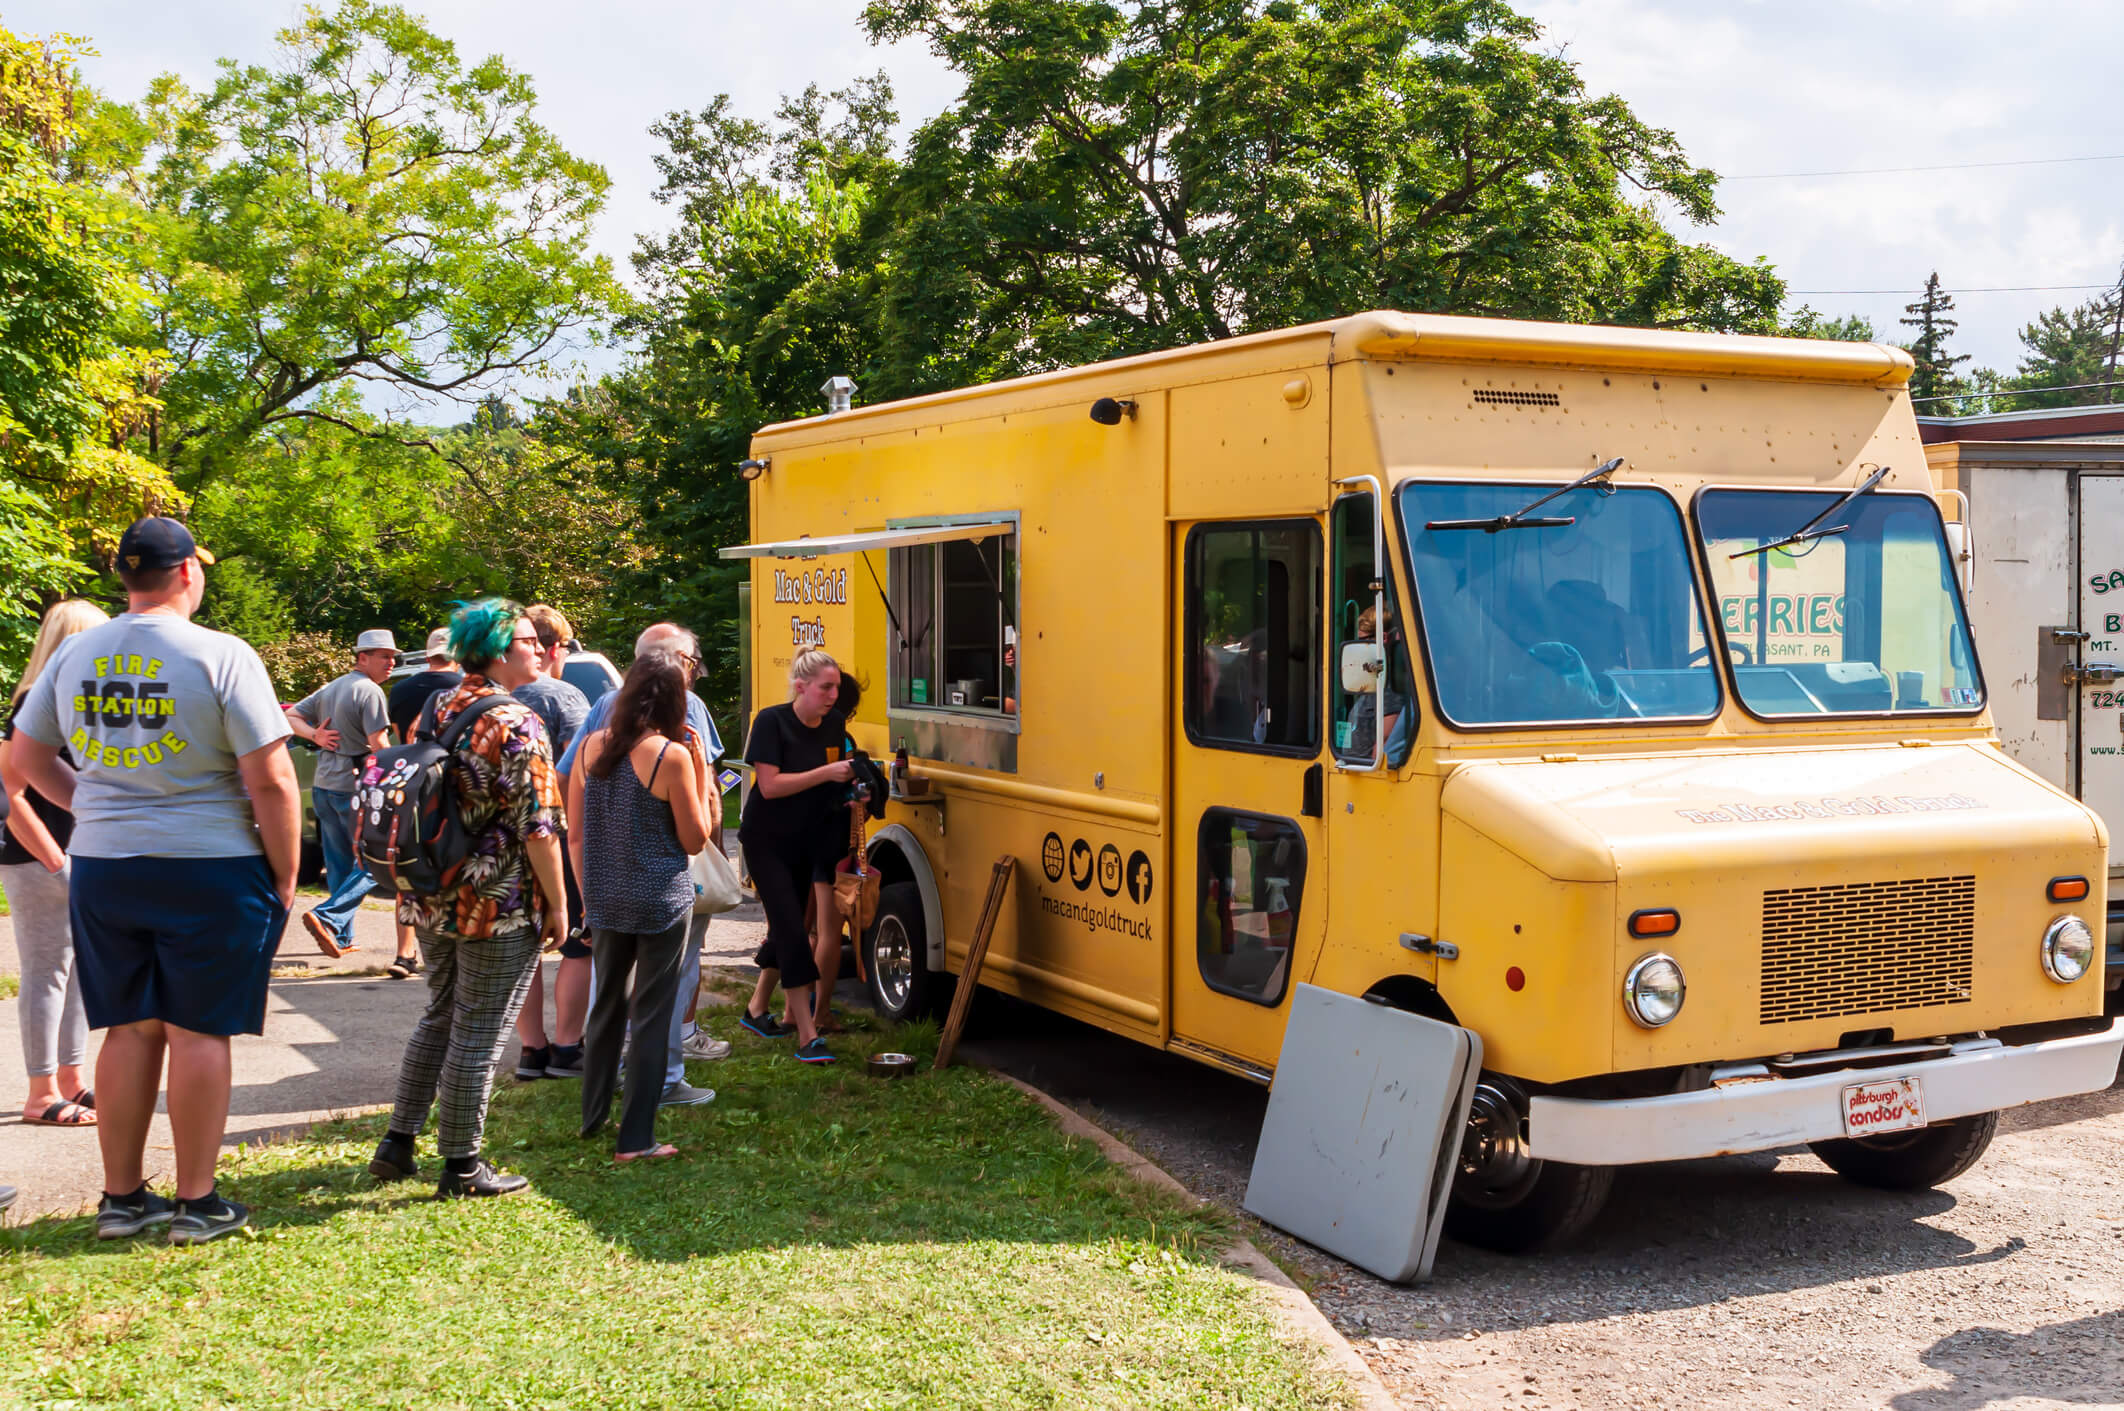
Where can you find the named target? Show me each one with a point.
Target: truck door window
(957, 636)
(1250, 883)
(1867, 621)
(1359, 714)
(1253, 636)
(1596, 618)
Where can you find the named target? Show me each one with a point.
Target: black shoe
(815, 1051)
(482, 1179)
(765, 1025)
(198, 1221)
(122, 1216)
(394, 1160)
(564, 1061)
(531, 1062)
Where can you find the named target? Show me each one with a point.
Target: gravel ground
(1753, 1281)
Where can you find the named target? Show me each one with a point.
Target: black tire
(1911, 1161)
(895, 958)
(1551, 1208)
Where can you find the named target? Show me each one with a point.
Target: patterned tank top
(634, 871)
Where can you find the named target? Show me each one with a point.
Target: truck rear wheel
(1914, 1160)
(1507, 1200)
(896, 957)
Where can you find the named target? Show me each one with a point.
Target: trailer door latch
(2095, 673)
(1424, 945)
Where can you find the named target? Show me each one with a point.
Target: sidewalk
(333, 1035)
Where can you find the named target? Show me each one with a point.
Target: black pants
(654, 961)
(781, 874)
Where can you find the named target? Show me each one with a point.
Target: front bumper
(1979, 1076)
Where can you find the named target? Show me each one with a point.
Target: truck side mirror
(1362, 666)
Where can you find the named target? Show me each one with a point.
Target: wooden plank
(970, 976)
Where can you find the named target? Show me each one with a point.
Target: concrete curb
(1297, 1312)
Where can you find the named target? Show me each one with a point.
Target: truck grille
(1867, 947)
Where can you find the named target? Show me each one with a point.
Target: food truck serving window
(954, 609)
(1253, 636)
(1862, 619)
(1592, 620)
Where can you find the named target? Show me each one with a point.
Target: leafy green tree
(371, 211)
(1118, 177)
(2066, 349)
(1850, 328)
(71, 399)
(1934, 376)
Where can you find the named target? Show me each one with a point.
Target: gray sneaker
(196, 1224)
(704, 1047)
(686, 1095)
(121, 1217)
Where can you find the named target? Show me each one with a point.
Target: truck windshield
(1593, 620)
(1863, 622)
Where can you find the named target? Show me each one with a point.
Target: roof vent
(1500, 397)
(840, 394)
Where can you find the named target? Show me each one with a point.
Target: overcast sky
(1752, 88)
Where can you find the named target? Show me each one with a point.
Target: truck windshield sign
(1592, 615)
(1865, 623)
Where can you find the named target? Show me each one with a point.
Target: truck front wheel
(1914, 1160)
(1506, 1200)
(896, 957)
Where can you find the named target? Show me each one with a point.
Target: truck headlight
(1653, 989)
(2068, 949)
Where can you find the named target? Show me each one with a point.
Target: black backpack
(408, 830)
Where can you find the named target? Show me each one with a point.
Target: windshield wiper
(1518, 519)
(1807, 531)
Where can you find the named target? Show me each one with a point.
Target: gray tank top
(634, 871)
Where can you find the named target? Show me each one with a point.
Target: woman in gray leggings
(33, 874)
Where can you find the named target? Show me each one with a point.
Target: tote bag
(715, 882)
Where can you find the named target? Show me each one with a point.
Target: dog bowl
(891, 1065)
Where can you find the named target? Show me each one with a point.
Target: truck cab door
(1249, 900)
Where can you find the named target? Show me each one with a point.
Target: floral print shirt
(508, 793)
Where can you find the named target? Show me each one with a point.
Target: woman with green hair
(482, 936)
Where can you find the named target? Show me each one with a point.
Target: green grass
(826, 1239)
(10, 986)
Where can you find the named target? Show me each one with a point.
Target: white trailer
(2043, 547)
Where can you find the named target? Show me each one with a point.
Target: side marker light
(2068, 889)
(1661, 922)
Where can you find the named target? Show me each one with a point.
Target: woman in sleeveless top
(635, 817)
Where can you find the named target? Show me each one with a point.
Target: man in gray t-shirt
(187, 829)
(347, 719)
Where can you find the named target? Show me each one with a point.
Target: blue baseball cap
(157, 542)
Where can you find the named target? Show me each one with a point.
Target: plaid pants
(475, 989)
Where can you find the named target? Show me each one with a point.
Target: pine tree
(1935, 366)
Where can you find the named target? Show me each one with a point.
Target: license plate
(1892, 1106)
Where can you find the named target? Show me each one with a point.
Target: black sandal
(404, 967)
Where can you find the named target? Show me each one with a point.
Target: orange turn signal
(1663, 922)
(2068, 889)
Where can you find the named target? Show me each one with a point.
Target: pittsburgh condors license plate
(1891, 1106)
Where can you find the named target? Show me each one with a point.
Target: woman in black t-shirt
(799, 778)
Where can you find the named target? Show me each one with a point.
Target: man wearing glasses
(686, 1039)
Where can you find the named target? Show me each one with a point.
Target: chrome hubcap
(892, 964)
(1496, 1169)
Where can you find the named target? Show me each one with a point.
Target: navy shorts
(187, 940)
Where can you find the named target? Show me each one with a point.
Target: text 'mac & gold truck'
(1606, 692)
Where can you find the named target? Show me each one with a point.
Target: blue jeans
(345, 878)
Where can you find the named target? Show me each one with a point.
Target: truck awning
(823, 545)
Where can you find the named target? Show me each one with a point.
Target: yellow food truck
(1606, 692)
